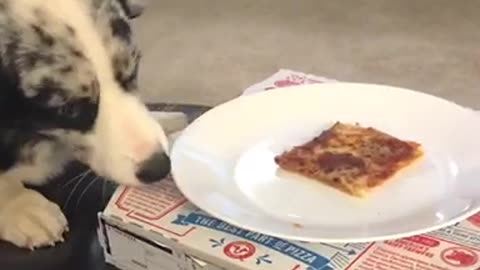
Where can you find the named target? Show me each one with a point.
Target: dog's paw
(31, 221)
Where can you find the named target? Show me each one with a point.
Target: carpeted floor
(208, 51)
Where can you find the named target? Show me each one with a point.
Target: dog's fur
(68, 73)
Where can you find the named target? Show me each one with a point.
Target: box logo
(239, 250)
(459, 257)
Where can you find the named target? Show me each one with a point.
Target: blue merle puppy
(68, 72)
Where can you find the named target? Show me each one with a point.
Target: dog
(68, 84)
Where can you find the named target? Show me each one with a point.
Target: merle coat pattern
(68, 71)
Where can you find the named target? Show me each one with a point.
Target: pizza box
(157, 228)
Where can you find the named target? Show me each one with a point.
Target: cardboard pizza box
(157, 228)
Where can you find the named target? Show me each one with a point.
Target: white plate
(223, 163)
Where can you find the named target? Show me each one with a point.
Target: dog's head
(68, 73)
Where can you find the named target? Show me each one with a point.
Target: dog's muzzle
(154, 168)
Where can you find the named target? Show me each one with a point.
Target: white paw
(31, 221)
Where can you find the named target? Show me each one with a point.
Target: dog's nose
(154, 169)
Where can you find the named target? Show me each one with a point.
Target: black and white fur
(68, 73)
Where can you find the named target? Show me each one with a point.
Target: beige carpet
(208, 51)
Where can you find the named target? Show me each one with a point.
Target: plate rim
(461, 217)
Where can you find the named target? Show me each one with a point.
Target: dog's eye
(69, 110)
(77, 114)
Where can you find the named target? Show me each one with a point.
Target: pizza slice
(351, 158)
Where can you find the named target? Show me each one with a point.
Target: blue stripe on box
(308, 257)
